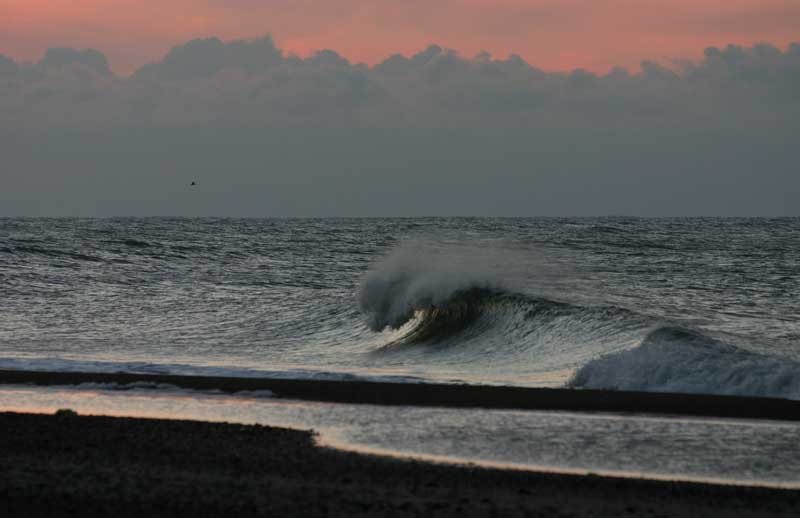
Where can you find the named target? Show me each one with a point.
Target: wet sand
(66, 465)
(445, 395)
(100, 466)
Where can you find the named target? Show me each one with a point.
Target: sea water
(670, 305)
(680, 305)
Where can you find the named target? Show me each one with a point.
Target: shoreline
(343, 446)
(443, 395)
(69, 465)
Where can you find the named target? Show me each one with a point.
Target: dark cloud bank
(269, 134)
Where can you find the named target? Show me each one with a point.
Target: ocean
(698, 305)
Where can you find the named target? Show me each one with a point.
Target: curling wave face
(451, 310)
(464, 318)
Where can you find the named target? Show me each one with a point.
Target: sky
(551, 34)
(304, 108)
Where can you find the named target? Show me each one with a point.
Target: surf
(675, 359)
(440, 310)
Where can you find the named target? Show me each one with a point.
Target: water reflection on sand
(717, 450)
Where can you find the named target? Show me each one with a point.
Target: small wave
(674, 359)
(166, 389)
(135, 385)
(136, 367)
(49, 252)
(135, 243)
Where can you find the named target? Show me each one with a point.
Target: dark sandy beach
(104, 466)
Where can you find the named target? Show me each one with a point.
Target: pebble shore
(70, 465)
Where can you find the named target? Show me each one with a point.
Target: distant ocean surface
(679, 305)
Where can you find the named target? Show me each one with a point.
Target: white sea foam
(672, 359)
(421, 275)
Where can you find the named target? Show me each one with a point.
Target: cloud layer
(268, 133)
(553, 34)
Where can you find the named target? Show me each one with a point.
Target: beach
(66, 465)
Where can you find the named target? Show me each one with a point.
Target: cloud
(203, 58)
(434, 132)
(554, 34)
(7, 66)
(63, 57)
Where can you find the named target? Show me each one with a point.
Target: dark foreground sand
(103, 466)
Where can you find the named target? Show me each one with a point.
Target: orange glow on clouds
(551, 34)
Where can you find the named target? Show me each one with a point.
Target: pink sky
(551, 34)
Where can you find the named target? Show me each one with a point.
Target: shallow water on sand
(716, 450)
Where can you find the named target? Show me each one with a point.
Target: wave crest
(414, 280)
(674, 359)
(444, 299)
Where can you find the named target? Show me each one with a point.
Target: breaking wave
(458, 313)
(674, 359)
(470, 316)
